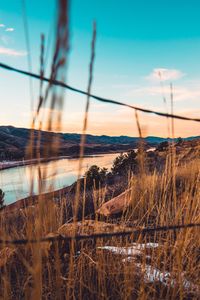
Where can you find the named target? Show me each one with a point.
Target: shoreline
(33, 200)
(14, 164)
(20, 163)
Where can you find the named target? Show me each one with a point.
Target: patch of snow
(151, 149)
(135, 249)
(145, 246)
(122, 250)
(150, 273)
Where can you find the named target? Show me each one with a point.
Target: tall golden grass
(87, 270)
(169, 268)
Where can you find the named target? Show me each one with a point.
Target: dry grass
(92, 270)
(116, 268)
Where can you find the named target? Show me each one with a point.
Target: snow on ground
(150, 273)
(133, 250)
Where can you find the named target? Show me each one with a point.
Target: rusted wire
(147, 230)
(98, 98)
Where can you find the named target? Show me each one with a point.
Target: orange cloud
(122, 122)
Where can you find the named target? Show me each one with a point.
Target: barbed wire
(57, 238)
(147, 230)
(98, 98)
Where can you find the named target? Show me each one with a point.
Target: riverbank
(12, 164)
(33, 200)
(17, 182)
(151, 261)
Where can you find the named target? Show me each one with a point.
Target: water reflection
(16, 182)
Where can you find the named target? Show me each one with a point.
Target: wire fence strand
(98, 98)
(147, 230)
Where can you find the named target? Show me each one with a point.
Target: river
(16, 181)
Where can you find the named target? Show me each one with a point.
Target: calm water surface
(16, 182)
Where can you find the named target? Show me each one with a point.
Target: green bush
(95, 176)
(2, 194)
(125, 163)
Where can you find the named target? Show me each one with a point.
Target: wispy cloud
(11, 52)
(121, 122)
(10, 29)
(187, 91)
(2, 25)
(165, 74)
(181, 93)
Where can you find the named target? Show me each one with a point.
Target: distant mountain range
(14, 141)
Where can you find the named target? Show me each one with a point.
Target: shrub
(163, 146)
(125, 163)
(2, 194)
(95, 176)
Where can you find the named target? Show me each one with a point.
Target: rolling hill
(14, 141)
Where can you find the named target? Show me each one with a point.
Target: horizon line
(80, 133)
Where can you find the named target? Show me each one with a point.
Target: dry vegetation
(143, 266)
(159, 265)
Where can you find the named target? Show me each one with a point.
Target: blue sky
(135, 41)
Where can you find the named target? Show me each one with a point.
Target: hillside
(14, 142)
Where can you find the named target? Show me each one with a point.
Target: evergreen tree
(179, 141)
(2, 205)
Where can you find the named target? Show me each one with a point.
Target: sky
(142, 47)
